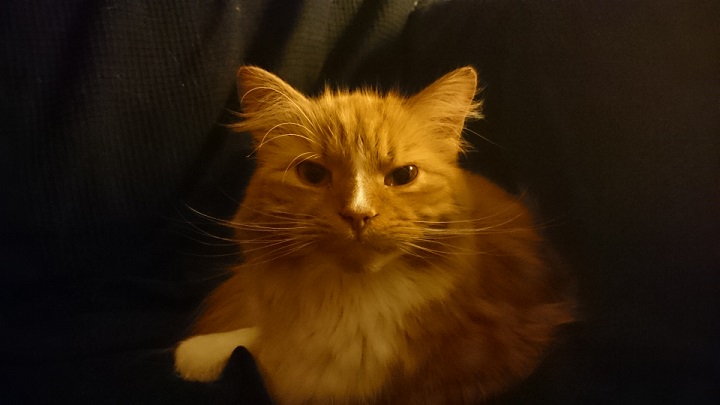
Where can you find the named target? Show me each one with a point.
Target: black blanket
(112, 141)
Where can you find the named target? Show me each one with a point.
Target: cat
(376, 270)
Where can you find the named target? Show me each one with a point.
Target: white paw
(203, 357)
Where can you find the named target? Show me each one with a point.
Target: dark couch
(112, 137)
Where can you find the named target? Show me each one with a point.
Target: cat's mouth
(365, 259)
(360, 243)
(366, 240)
(361, 253)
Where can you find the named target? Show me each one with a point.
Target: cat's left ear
(266, 99)
(268, 106)
(448, 102)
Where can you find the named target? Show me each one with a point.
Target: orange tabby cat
(376, 270)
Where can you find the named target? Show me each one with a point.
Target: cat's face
(358, 174)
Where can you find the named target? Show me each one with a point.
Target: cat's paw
(203, 357)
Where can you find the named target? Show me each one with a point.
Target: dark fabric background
(607, 114)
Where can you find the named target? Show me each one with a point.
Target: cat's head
(360, 173)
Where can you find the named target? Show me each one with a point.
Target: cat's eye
(401, 176)
(313, 173)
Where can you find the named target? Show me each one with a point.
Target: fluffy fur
(358, 290)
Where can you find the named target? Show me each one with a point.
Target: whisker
(426, 249)
(203, 215)
(259, 226)
(269, 245)
(297, 214)
(266, 228)
(282, 234)
(263, 141)
(265, 239)
(287, 245)
(312, 155)
(300, 110)
(484, 138)
(206, 243)
(277, 213)
(410, 252)
(288, 252)
(203, 231)
(452, 248)
(480, 219)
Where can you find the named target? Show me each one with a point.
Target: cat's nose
(357, 219)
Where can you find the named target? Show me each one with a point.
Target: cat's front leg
(203, 357)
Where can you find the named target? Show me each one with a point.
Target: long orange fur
(442, 293)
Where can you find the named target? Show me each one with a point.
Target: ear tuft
(260, 90)
(268, 105)
(448, 102)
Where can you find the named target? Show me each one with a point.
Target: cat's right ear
(265, 95)
(448, 102)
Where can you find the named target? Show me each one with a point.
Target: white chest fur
(337, 334)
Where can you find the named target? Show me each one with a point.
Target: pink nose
(357, 219)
